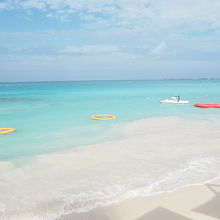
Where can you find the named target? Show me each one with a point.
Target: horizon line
(162, 79)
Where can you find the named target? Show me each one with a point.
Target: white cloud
(33, 4)
(156, 14)
(159, 49)
(189, 27)
(92, 49)
(3, 5)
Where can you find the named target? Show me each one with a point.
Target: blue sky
(109, 39)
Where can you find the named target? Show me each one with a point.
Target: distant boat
(174, 100)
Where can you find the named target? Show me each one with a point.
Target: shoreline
(115, 172)
(198, 202)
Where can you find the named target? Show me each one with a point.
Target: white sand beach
(190, 203)
(122, 179)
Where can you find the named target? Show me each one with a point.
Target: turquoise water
(131, 157)
(53, 116)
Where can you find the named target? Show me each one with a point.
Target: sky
(61, 40)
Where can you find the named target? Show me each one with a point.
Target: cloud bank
(182, 14)
(111, 36)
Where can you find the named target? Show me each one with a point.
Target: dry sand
(194, 202)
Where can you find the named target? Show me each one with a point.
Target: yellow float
(6, 130)
(103, 117)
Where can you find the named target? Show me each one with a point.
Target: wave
(155, 155)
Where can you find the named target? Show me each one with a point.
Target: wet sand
(195, 202)
(155, 155)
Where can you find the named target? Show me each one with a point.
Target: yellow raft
(6, 130)
(103, 117)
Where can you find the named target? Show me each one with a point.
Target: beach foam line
(149, 159)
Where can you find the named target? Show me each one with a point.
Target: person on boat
(176, 98)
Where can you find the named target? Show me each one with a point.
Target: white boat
(174, 100)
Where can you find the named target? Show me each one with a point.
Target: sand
(194, 202)
(153, 156)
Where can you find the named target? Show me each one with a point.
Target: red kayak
(207, 105)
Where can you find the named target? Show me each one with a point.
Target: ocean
(60, 161)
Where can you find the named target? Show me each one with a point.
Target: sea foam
(153, 156)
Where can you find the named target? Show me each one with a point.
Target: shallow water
(154, 156)
(53, 116)
(60, 161)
